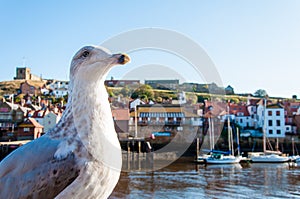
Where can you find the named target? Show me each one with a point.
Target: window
(269, 113)
(26, 129)
(270, 123)
(270, 131)
(277, 113)
(278, 132)
(278, 122)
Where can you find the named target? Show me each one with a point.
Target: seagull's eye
(85, 53)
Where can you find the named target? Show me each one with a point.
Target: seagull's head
(94, 62)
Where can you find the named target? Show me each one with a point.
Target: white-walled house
(260, 115)
(61, 92)
(275, 123)
(59, 88)
(38, 115)
(50, 120)
(274, 120)
(245, 121)
(59, 84)
(135, 103)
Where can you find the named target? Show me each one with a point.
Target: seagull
(81, 156)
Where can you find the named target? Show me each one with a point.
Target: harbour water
(185, 179)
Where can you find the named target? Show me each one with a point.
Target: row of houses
(140, 119)
(26, 123)
(56, 88)
(277, 119)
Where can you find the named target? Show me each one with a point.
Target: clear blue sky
(254, 44)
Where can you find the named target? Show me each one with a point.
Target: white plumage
(81, 156)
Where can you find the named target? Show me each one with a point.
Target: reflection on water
(184, 179)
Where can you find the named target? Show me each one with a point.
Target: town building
(31, 87)
(24, 73)
(257, 116)
(121, 120)
(29, 129)
(292, 112)
(50, 120)
(275, 125)
(60, 92)
(242, 116)
(171, 119)
(133, 104)
(10, 116)
(121, 83)
(59, 88)
(229, 90)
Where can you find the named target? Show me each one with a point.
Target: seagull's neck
(93, 119)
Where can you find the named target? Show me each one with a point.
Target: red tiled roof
(236, 108)
(35, 123)
(120, 114)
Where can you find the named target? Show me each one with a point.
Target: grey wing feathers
(32, 172)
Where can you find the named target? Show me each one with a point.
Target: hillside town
(139, 112)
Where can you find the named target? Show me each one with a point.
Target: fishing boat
(267, 156)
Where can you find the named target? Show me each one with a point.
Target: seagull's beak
(122, 58)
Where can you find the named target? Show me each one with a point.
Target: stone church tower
(23, 73)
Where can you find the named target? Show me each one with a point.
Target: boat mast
(238, 140)
(293, 146)
(135, 121)
(229, 130)
(265, 126)
(210, 133)
(213, 133)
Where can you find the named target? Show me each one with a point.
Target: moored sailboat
(225, 157)
(267, 156)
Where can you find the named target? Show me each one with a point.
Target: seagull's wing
(32, 171)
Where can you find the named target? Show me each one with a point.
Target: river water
(185, 179)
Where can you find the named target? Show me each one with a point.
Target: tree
(192, 98)
(125, 91)
(260, 93)
(235, 100)
(159, 100)
(110, 92)
(143, 90)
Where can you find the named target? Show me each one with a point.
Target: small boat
(223, 157)
(294, 158)
(202, 158)
(269, 158)
(220, 158)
